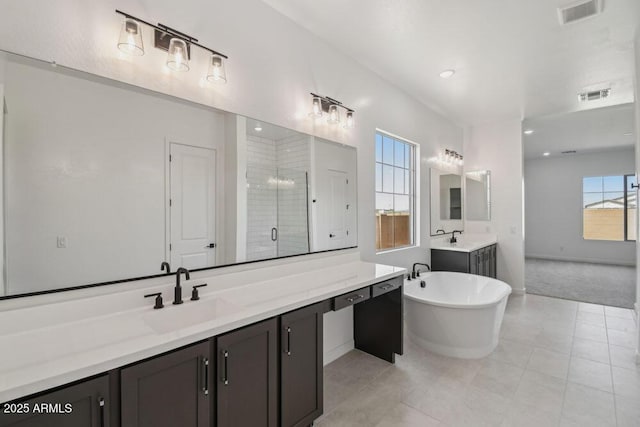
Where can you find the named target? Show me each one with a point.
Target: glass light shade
(216, 72)
(349, 123)
(316, 107)
(334, 115)
(130, 40)
(178, 57)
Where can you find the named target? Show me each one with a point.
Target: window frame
(414, 188)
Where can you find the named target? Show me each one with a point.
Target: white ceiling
(513, 58)
(602, 129)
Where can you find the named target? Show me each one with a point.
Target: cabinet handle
(225, 375)
(274, 234)
(101, 403)
(385, 287)
(355, 298)
(288, 341)
(205, 375)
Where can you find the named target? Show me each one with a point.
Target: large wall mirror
(446, 197)
(103, 181)
(478, 195)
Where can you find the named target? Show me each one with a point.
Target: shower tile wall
(285, 209)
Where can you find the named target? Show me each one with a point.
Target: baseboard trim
(584, 260)
(337, 352)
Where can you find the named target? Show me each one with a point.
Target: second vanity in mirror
(104, 181)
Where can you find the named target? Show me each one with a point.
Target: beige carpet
(595, 283)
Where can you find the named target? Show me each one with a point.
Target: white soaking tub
(455, 314)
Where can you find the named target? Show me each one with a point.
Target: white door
(337, 209)
(192, 206)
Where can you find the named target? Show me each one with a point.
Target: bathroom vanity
(472, 253)
(255, 359)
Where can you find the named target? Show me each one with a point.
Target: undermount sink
(174, 317)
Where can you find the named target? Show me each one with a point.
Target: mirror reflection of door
(192, 206)
(337, 209)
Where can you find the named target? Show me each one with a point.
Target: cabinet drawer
(386, 286)
(351, 298)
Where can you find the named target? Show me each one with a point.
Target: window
(609, 208)
(395, 192)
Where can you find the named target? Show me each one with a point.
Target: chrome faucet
(177, 292)
(416, 273)
(453, 236)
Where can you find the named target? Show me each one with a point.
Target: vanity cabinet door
(80, 405)
(474, 262)
(247, 376)
(169, 390)
(492, 261)
(301, 366)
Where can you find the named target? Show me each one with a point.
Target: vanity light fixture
(320, 104)
(447, 74)
(450, 157)
(528, 131)
(258, 127)
(130, 40)
(178, 46)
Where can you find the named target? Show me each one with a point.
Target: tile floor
(559, 363)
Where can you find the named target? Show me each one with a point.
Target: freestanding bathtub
(455, 314)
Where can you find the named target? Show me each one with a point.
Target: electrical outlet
(62, 242)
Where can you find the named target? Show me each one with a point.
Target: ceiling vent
(579, 11)
(594, 95)
(569, 152)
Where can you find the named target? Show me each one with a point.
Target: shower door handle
(274, 234)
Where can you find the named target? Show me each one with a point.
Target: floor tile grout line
(613, 385)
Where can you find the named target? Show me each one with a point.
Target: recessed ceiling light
(258, 127)
(528, 131)
(447, 73)
(546, 153)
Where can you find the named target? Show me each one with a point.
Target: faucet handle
(194, 292)
(158, 296)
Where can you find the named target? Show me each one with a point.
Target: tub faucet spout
(416, 272)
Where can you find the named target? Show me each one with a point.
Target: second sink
(172, 318)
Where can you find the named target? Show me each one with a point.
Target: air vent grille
(579, 11)
(594, 95)
(569, 152)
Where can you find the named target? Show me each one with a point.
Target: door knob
(210, 246)
(331, 235)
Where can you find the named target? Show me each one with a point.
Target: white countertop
(465, 242)
(49, 345)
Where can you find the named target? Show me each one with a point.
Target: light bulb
(334, 115)
(316, 107)
(216, 72)
(178, 56)
(349, 122)
(130, 40)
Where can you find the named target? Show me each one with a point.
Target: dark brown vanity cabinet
(247, 376)
(84, 404)
(481, 262)
(169, 390)
(301, 366)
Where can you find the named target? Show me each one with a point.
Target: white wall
(553, 203)
(106, 193)
(2, 132)
(273, 66)
(498, 147)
